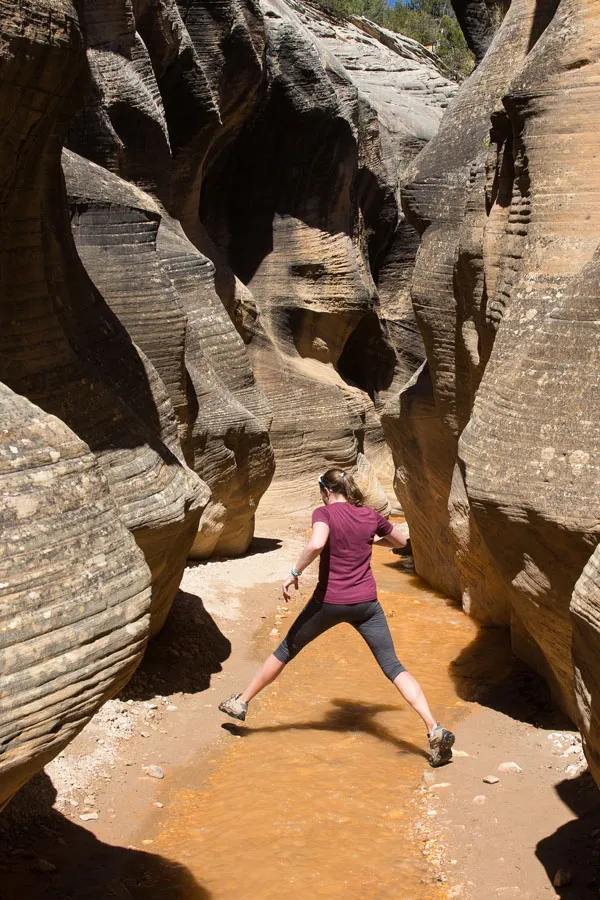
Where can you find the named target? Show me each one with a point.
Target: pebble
(87, 817)
(274, 632)
(99, 740)
(154, 771)
(491, 779)
(43, 865)
(480, 799)
(562, 878)
(151, 705)
(510, 767)
(158, 804)
(460, 753)
(442, 784)
(144, 734)
(172, 708)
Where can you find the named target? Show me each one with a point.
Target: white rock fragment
(513, 767)
(480, 799)
(154, 771)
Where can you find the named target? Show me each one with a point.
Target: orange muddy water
(313, 797)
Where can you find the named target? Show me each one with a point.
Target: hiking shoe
(440, 746)
(235, 707)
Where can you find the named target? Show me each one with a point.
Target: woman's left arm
(314, 547)
(396, 538)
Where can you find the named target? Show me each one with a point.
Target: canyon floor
(325, 789)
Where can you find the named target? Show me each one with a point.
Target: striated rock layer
(75, 598)
(497, 438)
(274, 135)
(63, 349)
(301, 209)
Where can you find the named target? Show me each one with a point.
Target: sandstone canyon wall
(496, 437)
(203, 271)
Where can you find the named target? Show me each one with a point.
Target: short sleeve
(383, 527)
(320, 514)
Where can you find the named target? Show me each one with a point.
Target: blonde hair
(339, 482)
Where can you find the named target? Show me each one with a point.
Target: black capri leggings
(368, 618)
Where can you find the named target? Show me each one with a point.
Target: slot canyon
(243, 242)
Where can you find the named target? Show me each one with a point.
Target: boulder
(74, 595)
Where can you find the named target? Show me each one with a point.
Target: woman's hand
(289, 581)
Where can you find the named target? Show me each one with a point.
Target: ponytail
(339, 482)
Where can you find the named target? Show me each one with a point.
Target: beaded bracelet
(295, 573)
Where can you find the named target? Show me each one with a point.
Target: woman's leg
(267, 673)
(314, 619)
(412, 692)
(376, 632)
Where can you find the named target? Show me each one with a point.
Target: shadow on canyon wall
(489, 673)
(51, 857)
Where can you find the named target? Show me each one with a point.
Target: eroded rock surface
(75, 590)
(64, 350)
(303, 208)
(497, 439)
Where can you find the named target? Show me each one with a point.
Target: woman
(343, 533)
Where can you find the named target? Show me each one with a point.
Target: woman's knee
(392, 669)
(283, 653)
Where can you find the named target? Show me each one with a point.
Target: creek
(315, 794)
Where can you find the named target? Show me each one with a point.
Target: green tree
(431, 22)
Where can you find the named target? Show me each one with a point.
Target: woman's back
(345, 574)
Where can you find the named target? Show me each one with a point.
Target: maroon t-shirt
(345, 574)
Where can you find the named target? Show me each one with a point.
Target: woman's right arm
(318, 538)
